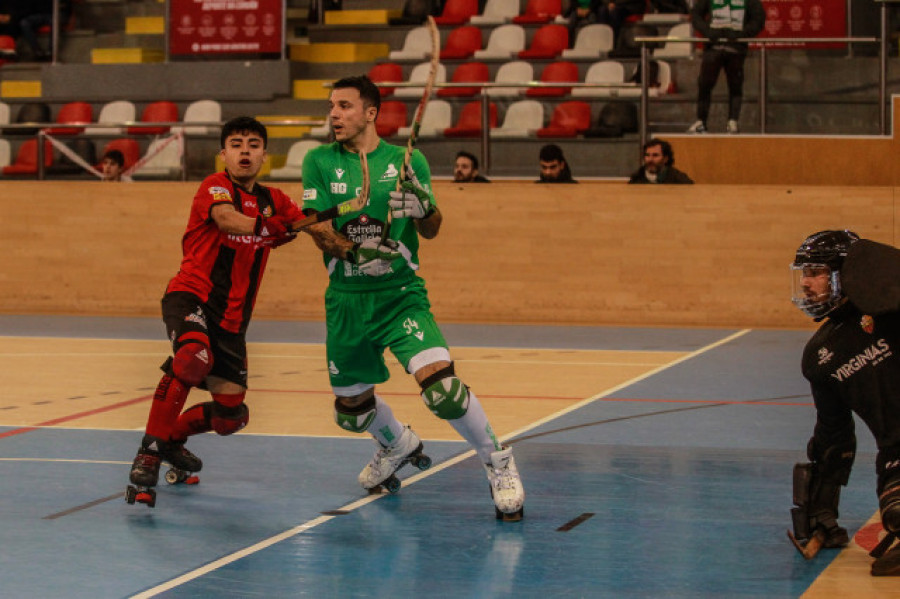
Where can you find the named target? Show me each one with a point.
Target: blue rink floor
(677, 485)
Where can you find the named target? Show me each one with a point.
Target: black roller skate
(380, 473)
(183, 463)
(144, 476)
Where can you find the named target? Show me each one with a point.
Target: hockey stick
(812, 546)
(420, 109)
(354, 205)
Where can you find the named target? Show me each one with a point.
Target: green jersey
(331, 175)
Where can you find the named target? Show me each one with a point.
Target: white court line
(224, 561)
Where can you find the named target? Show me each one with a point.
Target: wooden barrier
(586, 254)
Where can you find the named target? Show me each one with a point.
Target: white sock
(385, 428)
(475, 428)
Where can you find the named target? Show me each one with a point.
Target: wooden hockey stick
(812, 546)
(354, 205)
(420, 109)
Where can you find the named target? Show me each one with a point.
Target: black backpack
(615, 120)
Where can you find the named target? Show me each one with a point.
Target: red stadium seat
(391, 117)
(457, 12)
(462, 42)
(156, 112)
(26, 162)
(556, 71)
(548, 42)
(469, 122)
(568, 120)
(466, 73)
(390, 72)
(129, 148)
(539, 11)
(75, 113)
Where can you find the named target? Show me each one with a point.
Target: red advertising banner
(805, 18)
(201, 27)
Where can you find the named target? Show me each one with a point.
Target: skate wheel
(145, 496)
(392, 484)
(130, 494)
(174, 476)
(513, 517)
(422, 462)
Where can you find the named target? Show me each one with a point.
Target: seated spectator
(615, 12)
(658, 165)
(38, 14)
(112, 165)
(554, 168)
(579, 14)
(465, 169)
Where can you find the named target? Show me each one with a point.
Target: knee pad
(355, 418)
(445, 395)
(228, 414)
(193, 360)
(889, 489)
(889, 503)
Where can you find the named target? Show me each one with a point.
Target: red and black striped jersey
(222, 269)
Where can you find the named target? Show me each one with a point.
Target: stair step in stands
(145, 26)
(20, 89)
(361, 17)
(338, 52)
(126, 55)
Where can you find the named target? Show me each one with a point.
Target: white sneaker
(731, 126)
(387, 460)
(697, 127)
(506, 485)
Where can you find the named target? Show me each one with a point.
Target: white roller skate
(506, 486)
(380, 472)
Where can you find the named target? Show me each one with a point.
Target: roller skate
(183, 463)
(506, 486)
(381, 471)
(144, 476)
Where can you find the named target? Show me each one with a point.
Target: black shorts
(183, 312)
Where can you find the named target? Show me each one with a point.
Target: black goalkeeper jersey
(853, 364)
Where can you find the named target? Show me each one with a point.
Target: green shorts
(362, 325)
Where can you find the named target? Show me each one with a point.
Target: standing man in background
(724, 22)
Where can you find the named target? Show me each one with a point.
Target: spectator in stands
(465, 169)
(731, 20)
(580, 13)
(658, 165)
(39, 14)
(112, 165)
(615, 12)
(554, 168)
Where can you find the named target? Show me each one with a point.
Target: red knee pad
(229, 413)
(193, 360)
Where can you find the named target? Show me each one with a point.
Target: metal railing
(115, 133)
(763, 71)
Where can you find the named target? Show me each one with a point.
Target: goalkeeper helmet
(816, 271)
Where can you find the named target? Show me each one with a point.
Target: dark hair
(243, 124)
(368, 91)
(665, 146)
(471, 157)
(552, 152)
(116, 156)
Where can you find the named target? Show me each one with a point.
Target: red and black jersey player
(234, 223)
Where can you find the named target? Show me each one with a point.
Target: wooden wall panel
(509, 252)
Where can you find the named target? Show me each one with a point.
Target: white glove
(373, 256)
(412, 200)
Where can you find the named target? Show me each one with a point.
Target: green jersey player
(376, 301)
